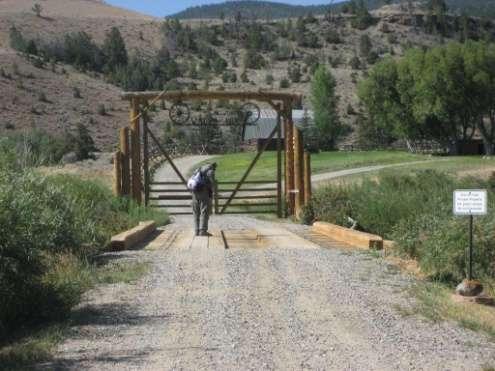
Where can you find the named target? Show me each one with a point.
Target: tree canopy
(445, 94)
(324, 101)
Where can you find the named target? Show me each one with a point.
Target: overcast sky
(160, 8)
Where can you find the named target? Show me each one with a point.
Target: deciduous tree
(324, 101)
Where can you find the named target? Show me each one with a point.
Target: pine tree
(37, 9)
(83, 143)
(17, 41)
(114, 50)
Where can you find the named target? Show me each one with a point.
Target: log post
(307, 178)
(117, 173)
(289, 158)
(126, 170)
(146, 172)
(279, 165)
(298, 172)
(215, 195)
(135, 151)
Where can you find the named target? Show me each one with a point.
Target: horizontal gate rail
(166, 183)
(249, 212)
(249, 190)
(177, 212)
(247, 197)
(253, 204)
(169, 191)
(172, 197)
(249, 182)
(173, 206)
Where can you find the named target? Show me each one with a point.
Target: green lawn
(233, 166)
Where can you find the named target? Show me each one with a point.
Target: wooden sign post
(470, 202)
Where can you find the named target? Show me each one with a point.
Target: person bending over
(202, 184)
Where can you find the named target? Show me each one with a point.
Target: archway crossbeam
(263, 96)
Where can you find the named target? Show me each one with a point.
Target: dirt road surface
(272, 300)
(285, 304)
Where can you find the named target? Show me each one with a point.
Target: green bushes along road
(415, 210)
(50, 229)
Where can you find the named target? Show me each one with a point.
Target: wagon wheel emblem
(251, 113)
(179, 113)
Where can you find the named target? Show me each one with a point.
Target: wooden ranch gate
(133, 160)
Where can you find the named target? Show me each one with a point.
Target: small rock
(469, 288)
(69, 158)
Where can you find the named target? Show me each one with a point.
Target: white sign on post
(470, 202)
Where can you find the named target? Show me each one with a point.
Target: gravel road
(285, 308)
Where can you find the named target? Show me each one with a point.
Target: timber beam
(266, 96)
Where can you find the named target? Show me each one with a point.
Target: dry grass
(71, 8)
(100, 170)
(62, 112)
(434, 302)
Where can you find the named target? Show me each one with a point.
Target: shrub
(244, 76)
(42, 97)
(350, 110)
(33, 148)
(365, 45)
(333, 37)
(308, 39)
(229, 76)
(49, 228)
(335, 61)
(17, 41)
(101, 109)
(415, 210)
(294, 73)
(76, 93)
(362, 20)
(37, 9)
(372, 57)
(283, 52)
(392, 38)
(15, 69)
(254, 60)
(355, 63)
(284, 83)
(83, 144)
(269, 79)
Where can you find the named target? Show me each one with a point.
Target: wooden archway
(128, 164)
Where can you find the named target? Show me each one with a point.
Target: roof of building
(268, 120)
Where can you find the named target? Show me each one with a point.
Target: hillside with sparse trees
(56, 80)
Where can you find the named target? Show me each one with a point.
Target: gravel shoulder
(327, 308)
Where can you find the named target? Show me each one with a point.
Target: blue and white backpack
(196, 181)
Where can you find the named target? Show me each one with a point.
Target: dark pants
(201, 205)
